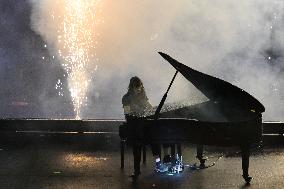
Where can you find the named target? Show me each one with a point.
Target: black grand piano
(231, 117)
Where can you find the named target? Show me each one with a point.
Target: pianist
(135, 101)
(136, 105)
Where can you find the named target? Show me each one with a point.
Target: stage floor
(94, 162)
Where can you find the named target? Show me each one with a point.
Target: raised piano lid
(217, 90)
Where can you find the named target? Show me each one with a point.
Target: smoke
(239, 41)
(27, 81)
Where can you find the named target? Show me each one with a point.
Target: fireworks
(76, 44)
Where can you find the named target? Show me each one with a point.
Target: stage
(86, 154)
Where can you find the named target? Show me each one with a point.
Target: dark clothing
(135, 106)
(138, 104)
(136, 149)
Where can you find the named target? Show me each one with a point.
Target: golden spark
(76, 41)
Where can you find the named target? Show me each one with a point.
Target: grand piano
(230, 117)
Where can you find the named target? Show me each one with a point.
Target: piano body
(231, 117)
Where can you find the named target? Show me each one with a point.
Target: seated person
(136, 105)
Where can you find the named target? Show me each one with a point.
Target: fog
(241, 42)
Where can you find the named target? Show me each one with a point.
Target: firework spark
(76, 44)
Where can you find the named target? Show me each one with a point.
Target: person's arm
(126, 104)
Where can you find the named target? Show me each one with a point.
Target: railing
(273, 132)
(59, 125)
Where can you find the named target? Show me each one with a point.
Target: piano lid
(217, 90)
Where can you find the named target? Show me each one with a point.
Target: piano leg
(199, 156)
(179, 150)
(137, 159)
(245, 162)
(144, 153)
(159, 150)
(122, 147)
(173, 151)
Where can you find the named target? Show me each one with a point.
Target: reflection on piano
(231, 117)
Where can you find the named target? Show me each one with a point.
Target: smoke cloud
(27, 80)
(238, 41)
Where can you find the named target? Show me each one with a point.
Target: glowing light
(59, 87)
(76, 40)
(83, 160)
